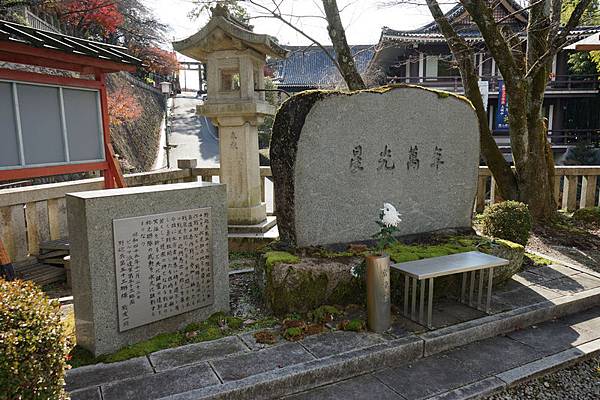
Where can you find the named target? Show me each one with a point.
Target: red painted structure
(71, 57)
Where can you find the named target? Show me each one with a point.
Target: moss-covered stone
(280, 257)
(311, 282)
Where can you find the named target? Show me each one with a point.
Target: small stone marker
(146, 261)
(337, 157)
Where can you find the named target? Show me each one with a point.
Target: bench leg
(471, 288)
(480, 290)
(414, 300)
(463, 288)
(489, 290)
(430, 304)
(406, 290)
(422, 303)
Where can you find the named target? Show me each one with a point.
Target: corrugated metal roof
(311, 67)
(17, 33)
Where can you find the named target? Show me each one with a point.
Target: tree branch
(483, 16)
(560, 39)
(463, 53)
(344, 56)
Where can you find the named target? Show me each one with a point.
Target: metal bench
(430, 268)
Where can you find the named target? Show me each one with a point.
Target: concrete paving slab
(427, 377)
(555, 271)
(91, 393)
(97, 374)
(588, 320)
(197, 352)
(244, 365)
(551, 337)
(573, 284)
(525, 296)
(327, 344)
(472, 391)
(460, 311)
(352, 389)
(526, 278)
(497, 354)
(162, 384)
(402, 326)
(537, 367)
(302, 377)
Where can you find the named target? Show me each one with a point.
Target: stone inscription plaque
(163, 265)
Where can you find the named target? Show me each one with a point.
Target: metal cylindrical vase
(378, 293)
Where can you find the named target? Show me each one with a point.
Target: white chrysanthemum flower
(391, 217)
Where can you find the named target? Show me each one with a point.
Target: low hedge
(508, 220)
(33, 344)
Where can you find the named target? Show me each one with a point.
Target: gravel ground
(578, 382)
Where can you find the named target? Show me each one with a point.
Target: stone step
(243, 371)
(478, 369)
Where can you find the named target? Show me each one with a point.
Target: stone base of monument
(302, 282)
(254, 238)
(146, 260)
(261, 227)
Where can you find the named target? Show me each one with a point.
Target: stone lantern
(235, 58)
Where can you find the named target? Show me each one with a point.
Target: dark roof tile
(310, 67)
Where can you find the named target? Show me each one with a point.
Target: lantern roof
(224, 32)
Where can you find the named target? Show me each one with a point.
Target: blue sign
(502, 109)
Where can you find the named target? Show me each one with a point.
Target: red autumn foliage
(159, 61)
(99, 16)
(123, 106)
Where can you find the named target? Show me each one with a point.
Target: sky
(363, 19)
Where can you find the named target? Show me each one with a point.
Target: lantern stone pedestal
(235, 58)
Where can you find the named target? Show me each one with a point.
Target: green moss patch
(400, 252)
(280, 257)
(538, 260)
(216, 326)
(353, 325)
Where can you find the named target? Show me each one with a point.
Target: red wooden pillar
(112, 176)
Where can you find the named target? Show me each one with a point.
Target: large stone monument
(337, 157)
(235, 58)
(146, 261)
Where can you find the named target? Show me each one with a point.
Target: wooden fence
(35, 214)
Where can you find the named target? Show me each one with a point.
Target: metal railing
(558, 83)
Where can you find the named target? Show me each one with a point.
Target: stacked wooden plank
(41, 274)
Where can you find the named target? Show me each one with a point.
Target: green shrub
(509, 220)
(589, 216)
(33, 344)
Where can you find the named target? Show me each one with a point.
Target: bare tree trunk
(340, 44)
(501, 170)
(525, 77)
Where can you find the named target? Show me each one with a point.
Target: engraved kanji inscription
(413, 158)
(356, 160)
(163, 265)
(437, 158)
(385, 159)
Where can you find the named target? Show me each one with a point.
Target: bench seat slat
(448, 265)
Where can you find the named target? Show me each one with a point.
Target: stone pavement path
(242, 368)
(194, 135)
(478, 368)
